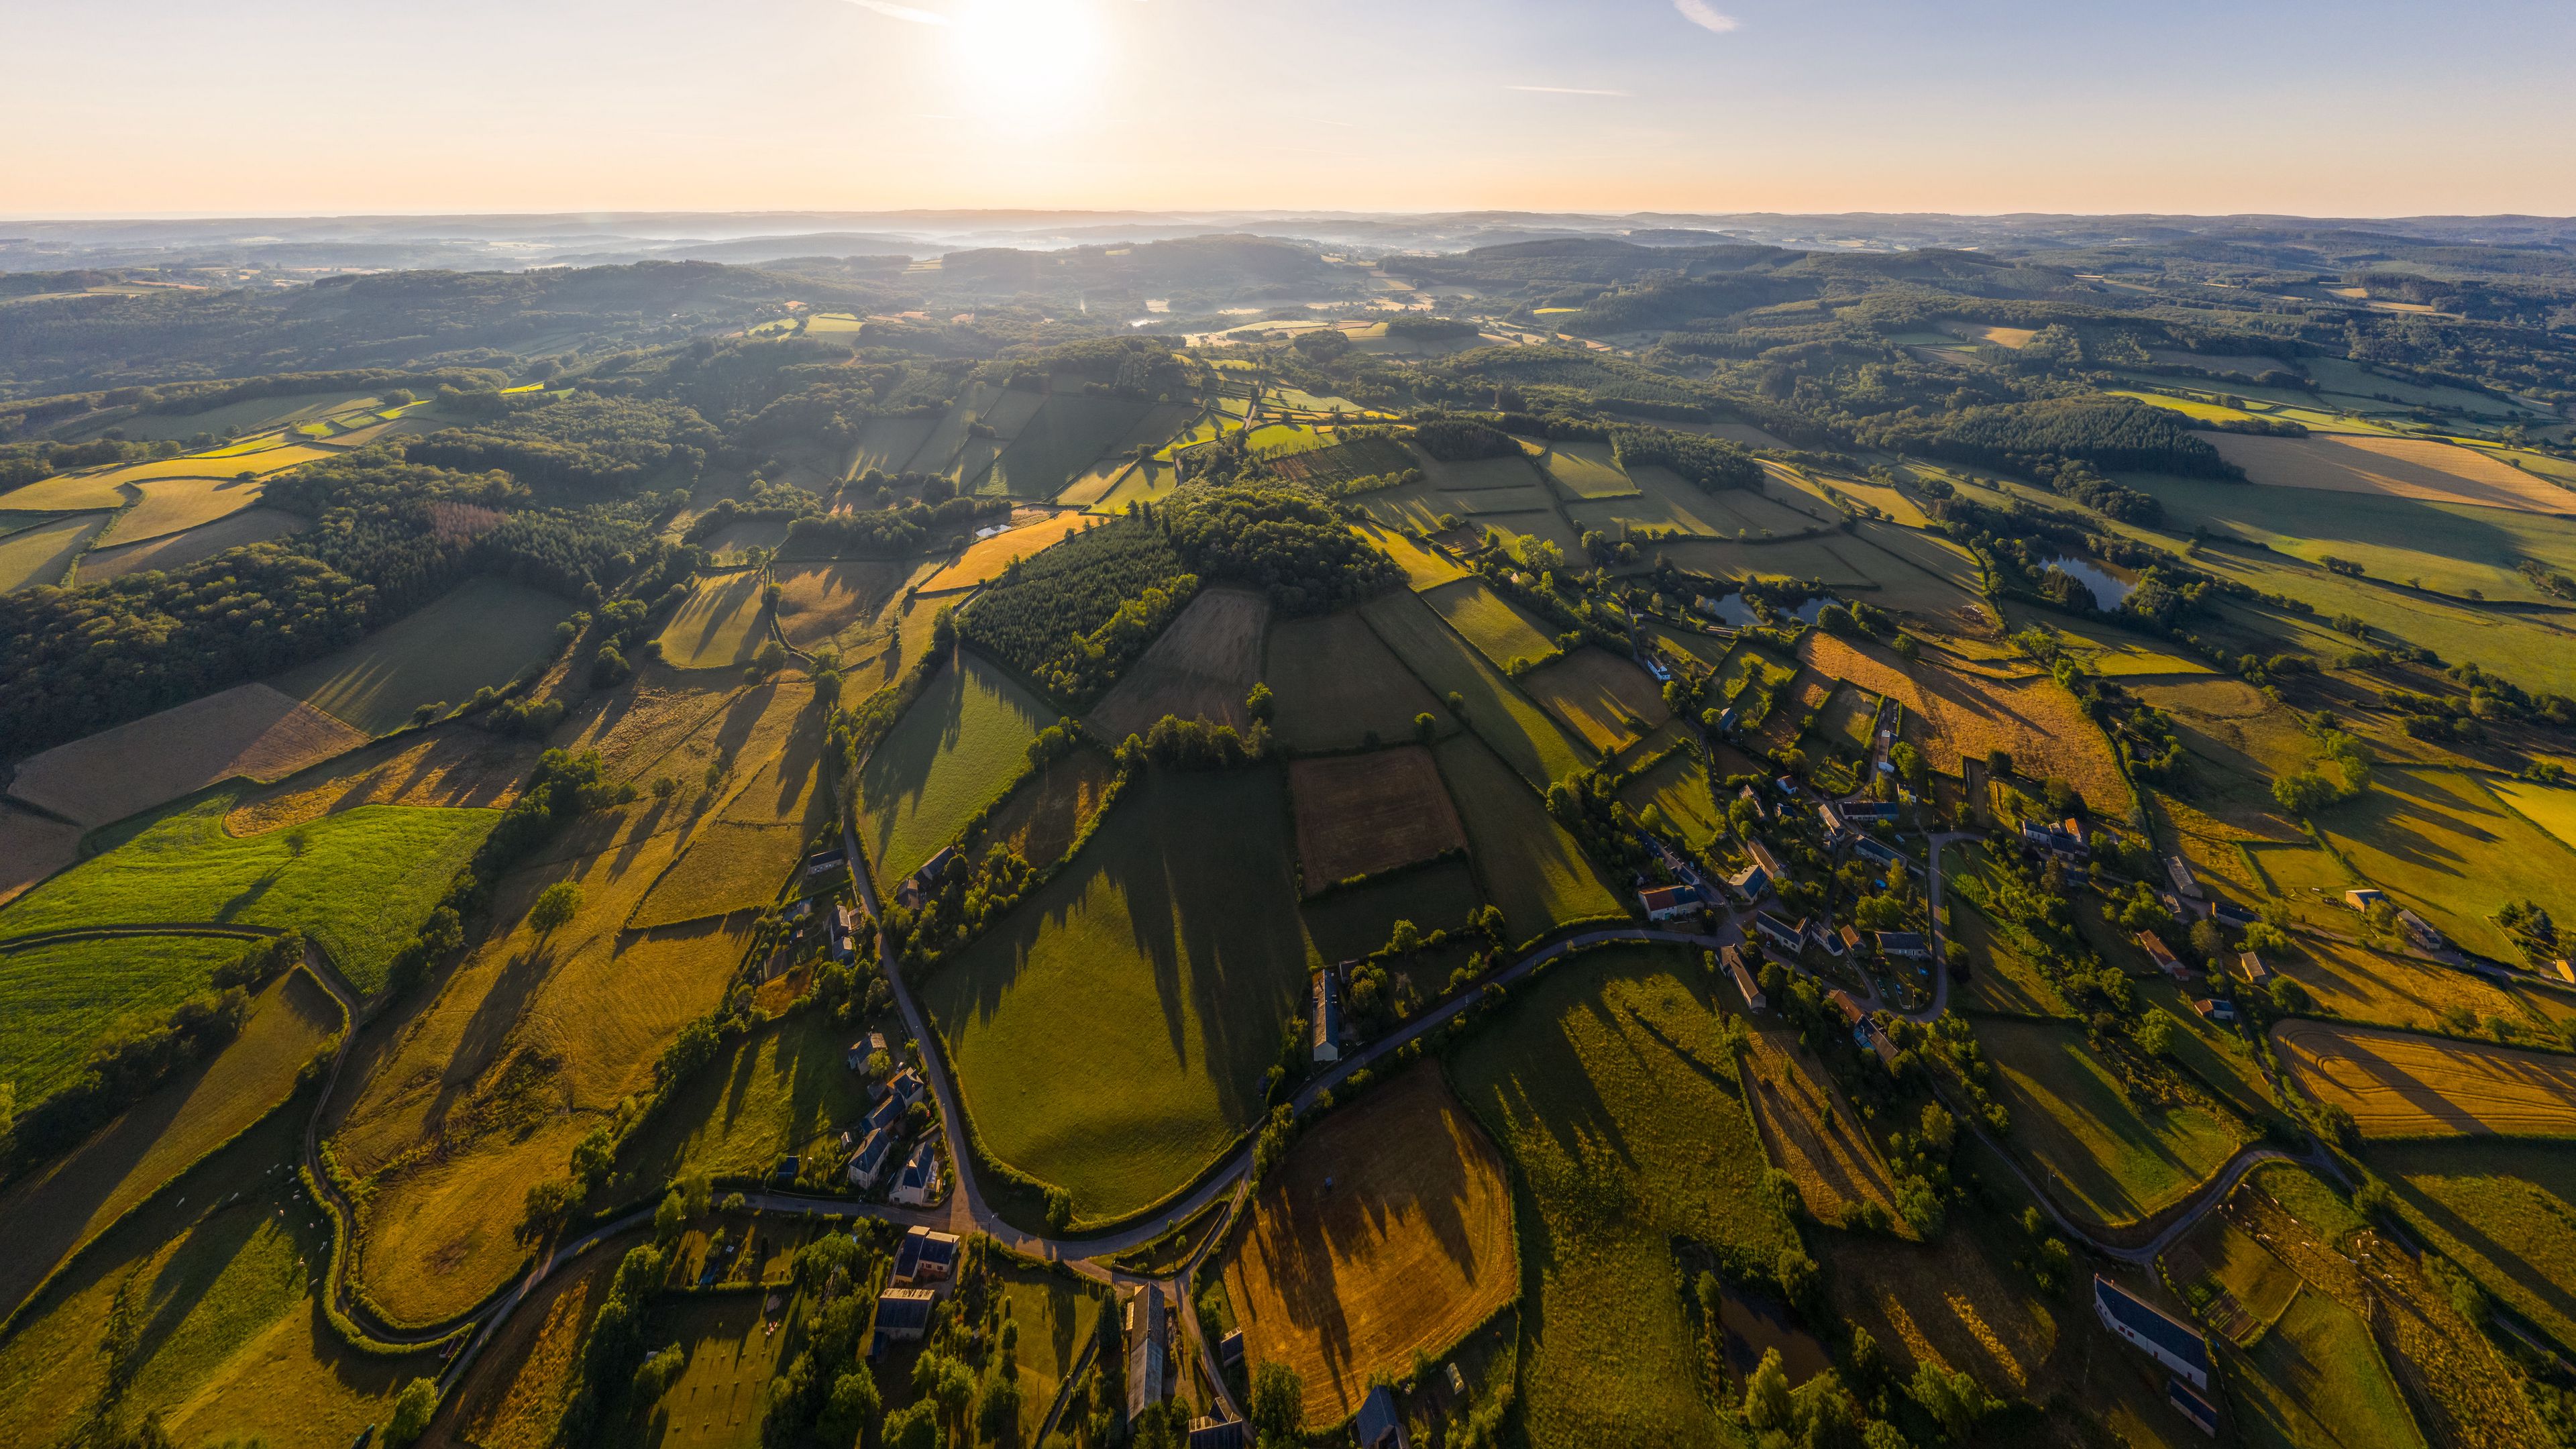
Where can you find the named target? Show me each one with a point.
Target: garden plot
(1358, 815)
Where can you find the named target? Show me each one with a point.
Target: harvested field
(1501, 630)
(485, 631)
(2042, 727)
(955, 750)
(2399, 1085)
(249, 730)
(32, 847)
(1342, 462)
(1606, 700)
(66, 493)
(2395, 467)
(1358, 815)
(1386, 1233)
(721, 625)
(44, 554)
(1586, 470)
(1041, 819)
(1523, 734)
(50, 1213)
(1200, 668)
(454, 766)
(227, 463)
(174, 505)
(1524, 860)
(1335, 686)
(2354, 983)
(826, 603)
(984, 561)
(251, 525)
(1424, 568)
(2111, 1157)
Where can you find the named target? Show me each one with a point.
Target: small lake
(1752, 1323)
(1731, 611)
(1806, 613)
(2106, 587)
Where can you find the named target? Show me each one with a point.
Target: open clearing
(2439, 842)
(1424, 568)
(1606, 1085)
(952, 753)
(720, 624)
(2114, 1158)
(1526, 862)
(1041, 819)
(2318, 1380)
(62, 998)
(249, 730)
(1109, 1036)
(484, 632)
(2399, 1085)
(359, 882)
(825, 603)
(1586, 470)
(1501, 630)
(984, 561)
(44, 554)
(177, 550)
(1336, 686)
(2505, 1211)
(1386, 1233)
(1200, 668)
(1361, 814)
(2398, 467)
(1962, 714)
(1526, 737)
(50, 1213)
(173, 505)
(1603, 698)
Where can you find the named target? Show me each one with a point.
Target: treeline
(887, 532)
(579, 440)
(1460, 440)
(2105, 432)
(1074, 616)
(1709, 464)
(1279, 538)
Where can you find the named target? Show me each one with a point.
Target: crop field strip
(250, 730)
(1524, 860)
(1443, 661)
(1201, 667)
(177, 550)
(1362, 814)
(2399, 1085)
(1335, 685)
(1604, 700)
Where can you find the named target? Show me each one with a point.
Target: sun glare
(1018, 58)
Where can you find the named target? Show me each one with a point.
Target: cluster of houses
(924, 1262)
(916, 887)
(2419, 932)
(877, 1138)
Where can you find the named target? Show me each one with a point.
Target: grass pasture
(63, 998)
(1586, 470)
(2398, 1085)
(1525, 861)
(2351, 982)
(984, 560)
(1336, 686)
(175, 505)
(1406, 1250)
(1201, 667)
(1041, 818)
(51, 1212)
(249, 415)
(1501, 630)
(1678, 785)
(177, 550)
(739, 860)
(1606, 1087)
(887, 444)
(1523, 734)
(720, 625)
(1061, 440)
(1356, 920)
(452, 766)
(1475, 474)
(249, 731)
(1362, 814)
(951, 754)
(485, 631)
(826, 603)
(2441, 842)
(773, 1092)
(515, 1395)
(44, 554)
(2505, 1211)
(2551, 807)
(1605, 700)
(2317, 1381)
(1424, 568)
(2112, 1158)
(2419, 468)
(1110, 1036)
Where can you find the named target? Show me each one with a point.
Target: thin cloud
(902, 12)
(1697, 12)
(1564, 91)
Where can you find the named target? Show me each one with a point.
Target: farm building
(2166, 1340)
(1849, 1005)
(1783, 934)
(869, 1162)
(918, 1183)
(903, 1316)
(1145, 1326)
(2202, 1413)
(1763, 857)
(1733, 960)
(2216, 1008)
(1867, 812)
(2166, 961)
(864, 1048)
(1380, 1424)
(2420, 931)
(2231, 914)
(1833, 820)
(1665, 902)
(1328, 1016)
(923, 1255)
(2183, 883)
(2253, 967)
(1908, 944)
(2364, 898)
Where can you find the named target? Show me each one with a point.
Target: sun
(1023, 58)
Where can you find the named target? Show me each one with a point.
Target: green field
(61, 999)
(2316, 1381)
(1334, 684)
(1061, 440)
(771, 1093)
(1477, 473)
(1586, 470)
(1356, 920)
(1501, 630)
(1110, 1035)
(2551, 807)
(485, 631)
(887, 444)
(1527, 863)
(2438, 841)
(952, 754)
(2107, 1157)
(360, 881)
(1606, 1086)
(1519, 730)
(719, 626)
(43, 554)
(1679, 787)
(2503, 1210)
(2004, 974)
(2523, 648)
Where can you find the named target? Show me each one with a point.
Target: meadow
(1424, 568)
(1501, 630)
(514, 1396)
(2504, 1211)
(484, 632)
(1678, 785)
(1525, 861)
(2551, 807)
(1606, 701)
(1586, 470)
(1060, 440)
(63, 997)
(1608, 1088)
(828, 603)
(1806, 1127)
(1969, 714)
(177, 550)
(455, 765)
(2439, 841)
(1109, 1036)
(2317, 1379)
(1335, 686)
(1355, 920)
(359, 882)
(1361, 814)
(1041, 819)
(2352, 982)
(1200, 667)
(2398, 1085)
(1387, 1232)
(719, 626)
(887, 444)
(249, 731)
(984, 560)
(950, 755)
(739, 860)
(1520, 731)
(174, 505)
(1662, 501)
(770, 1093)
(2107, 1156)
(44, 553)
(2526, 648)
(249, 415)
(2005, 975)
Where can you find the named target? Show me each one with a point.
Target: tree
(853, 1407)
(1766, 1393)
(1956, 1400)
(412, 1410)
(2154, 1033)
(1258, 703)
(1278, 1403)
(997, 1416)
(1059, 1211)
(555, 907)
(915, 1426)
(1424, 727)
(670, 1218)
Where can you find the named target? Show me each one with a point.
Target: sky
(301, 107)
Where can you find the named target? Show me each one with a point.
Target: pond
(1731, 611)
(2106, 587)
(1806, 613)
(1752, 1323)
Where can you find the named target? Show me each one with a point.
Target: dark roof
(2151, 1324)
(1900, 940)
(903, 1308)
(2195, 1408)
(1378, 1423)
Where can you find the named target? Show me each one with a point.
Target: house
(922, 1255)
(2253, 967)
(1908, 944)
(864, 1048)
(844, 933)
(1780, 933)
(1219, 1434)
(906, 1086)
(886, 1116)
(1763, 857)
(2165, 1339)
(1833, 819)
(1665, 902)
(1850, 938)
(2420, 931)
(918, 1183)
(1868, 812)
(869, 1162)
(2166, 961)
(1750, 882)
(1733, 960)
(2230, 913)
(2180, 871)
(2363, 899)
(1849, 1005)
(1145, 1349)
(1380, 1424)
(1826, 937)
(903, 1316)
(1884, 855)
(2202, 1413)
(2216, 1008)
(1328, 1016)
(1873, 1036)
(2056, 840)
